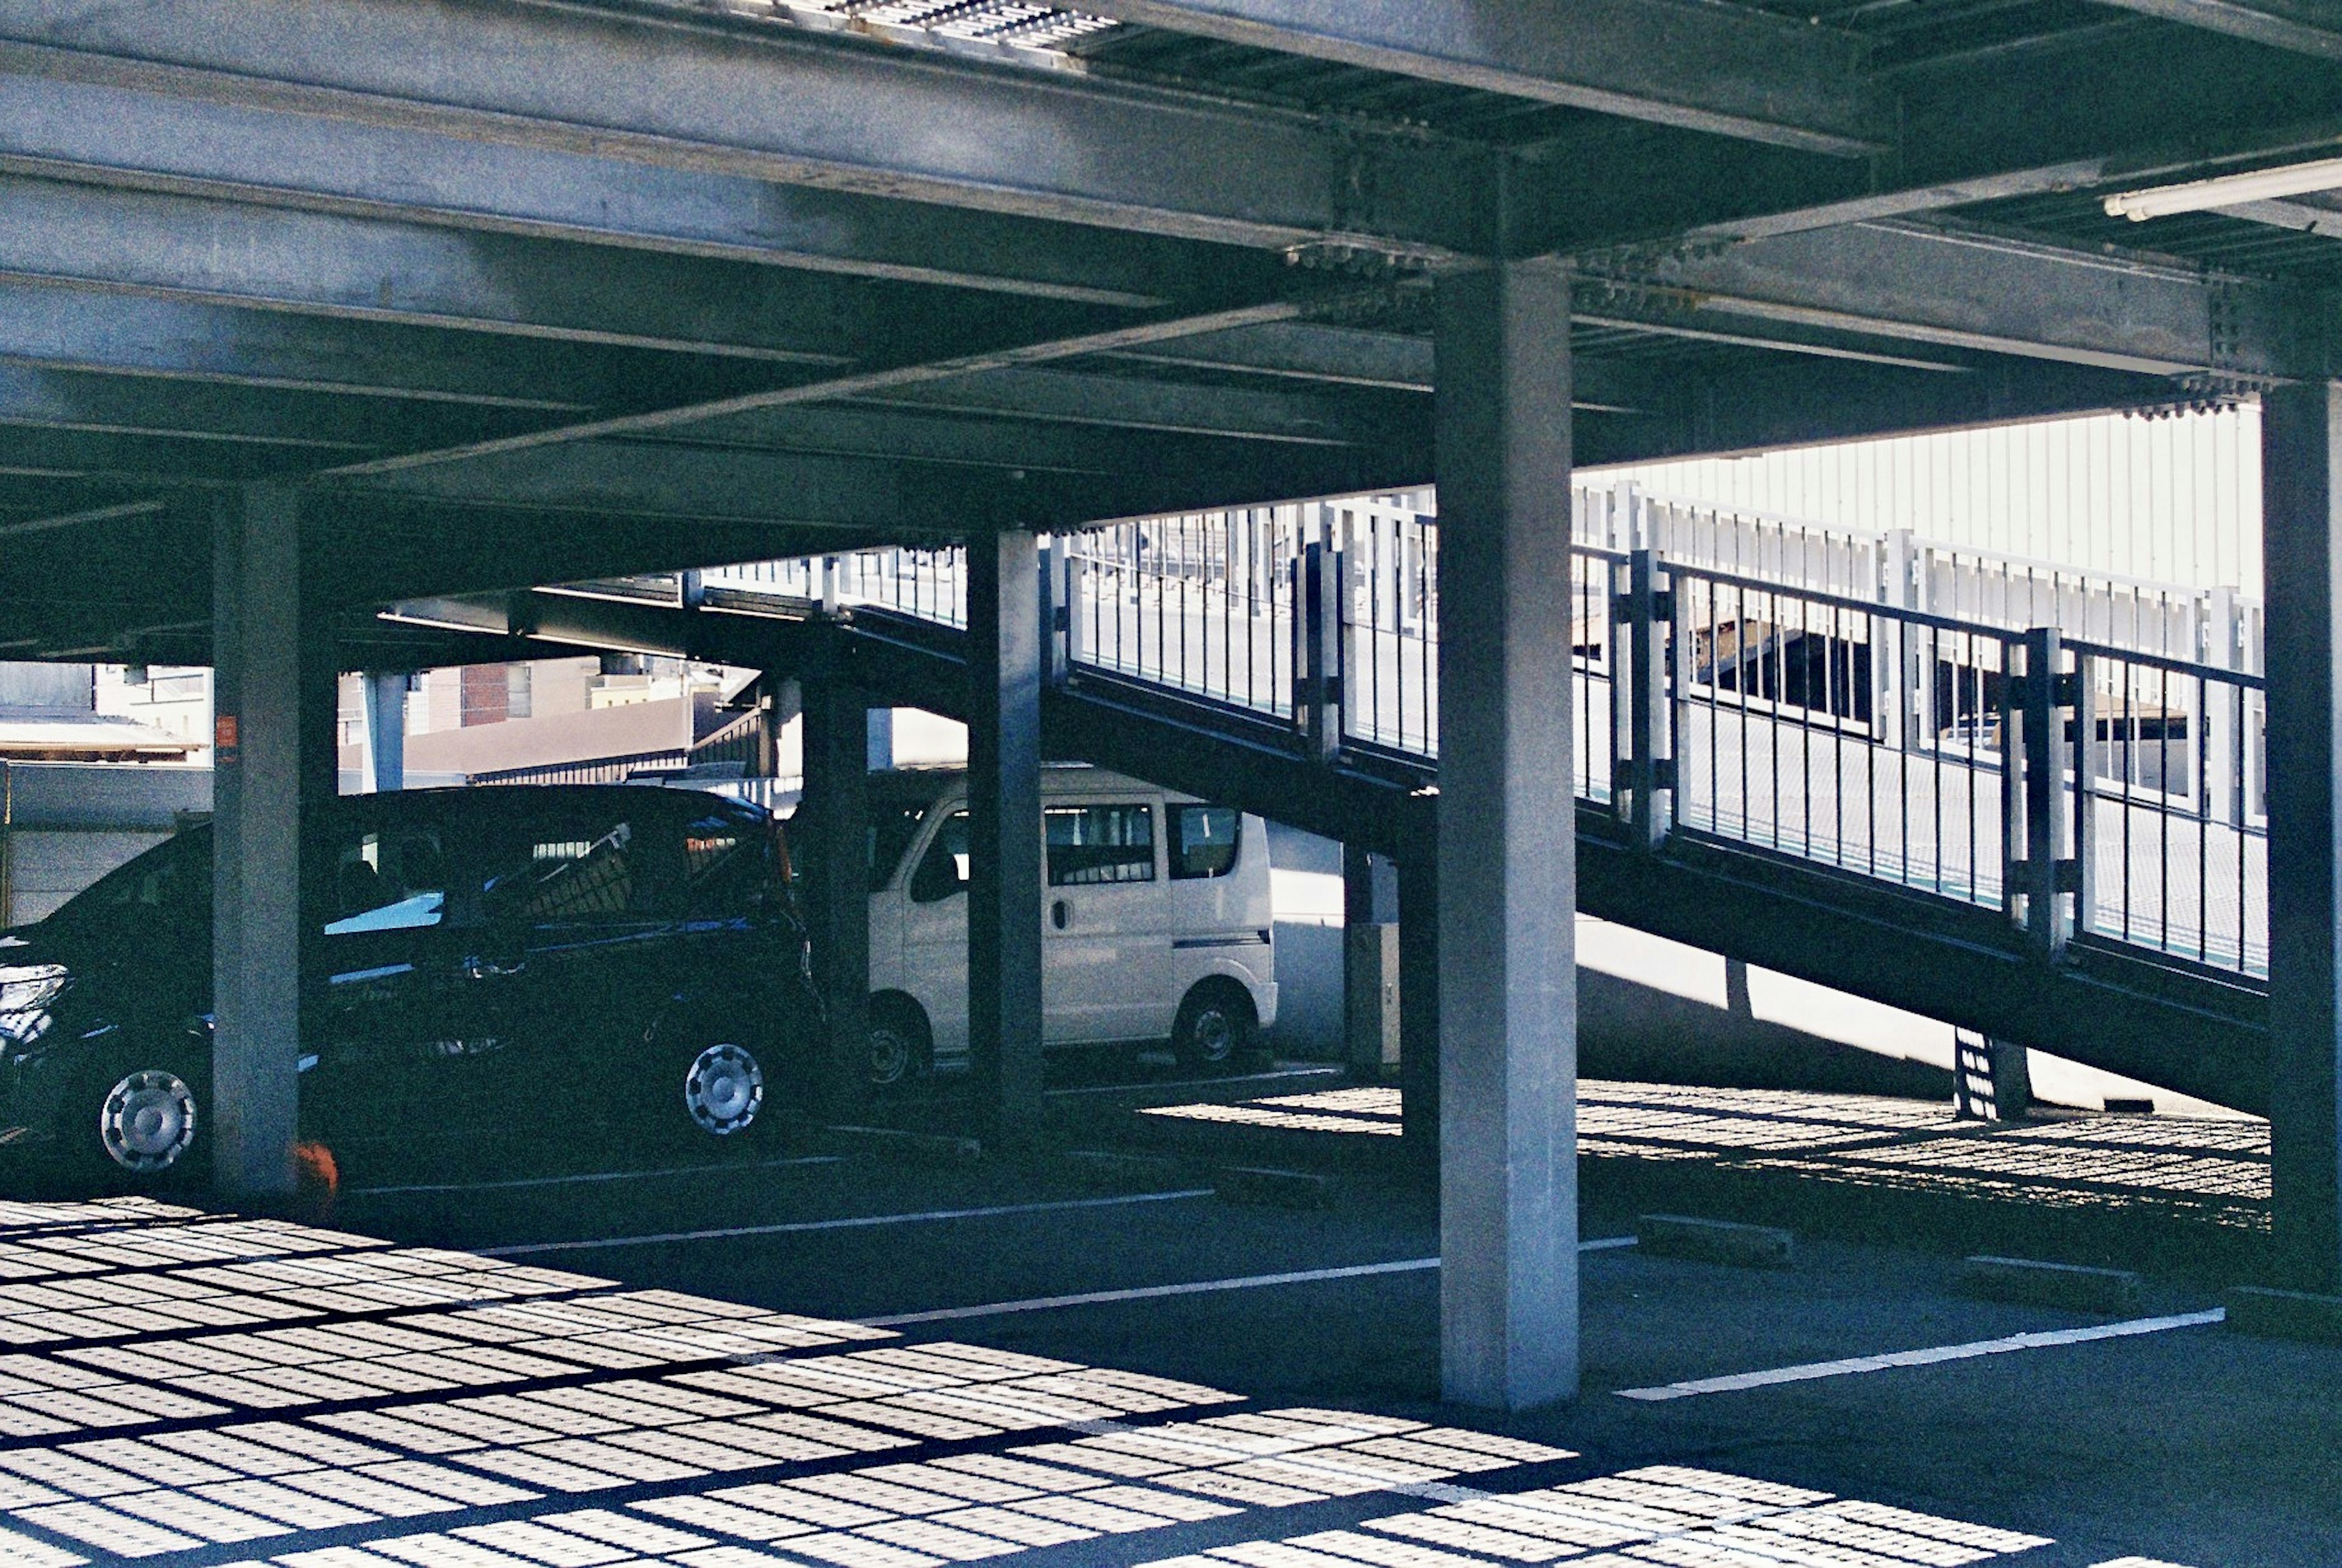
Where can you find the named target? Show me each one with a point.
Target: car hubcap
(147, 1121)
(890, 1057)
(723, 1090)
(1216, 1036)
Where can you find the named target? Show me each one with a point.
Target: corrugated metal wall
(2173, 500)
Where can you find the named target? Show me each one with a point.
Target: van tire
(899, 1045)
(1216, 1030)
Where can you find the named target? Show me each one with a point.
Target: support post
(1370, 1030)
(386, 724)
(273, 782)
(831, 839)
(1003, 797)
(2035, 837)
(1418, 1006)
(1649, 611)
(1319, 627)
(1507, 879)
(2301, 465)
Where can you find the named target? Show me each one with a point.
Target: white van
(1155, 921)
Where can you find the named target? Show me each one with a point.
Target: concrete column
(837, 892)
(1370, 1024)
(275, 704)
(880, 738)
(385, 722)
(1003, 798)
(2301, 459)
(1418, 1009)
(1507, 880)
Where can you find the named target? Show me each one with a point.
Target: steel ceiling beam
(152, 405)
(373, 269)
(95, 133)
(1800, 403)
(2302, 26)
(1741, 73)
(763, 103)
(1967, 290)
(874, 496)
(132, 335)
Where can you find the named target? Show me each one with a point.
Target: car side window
(1204, 840)
(393, 879)
(725, 860)
(943, 869)
(581, 868)
(1090, 845)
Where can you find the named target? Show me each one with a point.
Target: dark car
(522, 962)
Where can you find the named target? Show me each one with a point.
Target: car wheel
(723, 1089)
(147, 1123)
(896, 1047)
(1215, 1029)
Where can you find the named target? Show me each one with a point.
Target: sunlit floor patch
(1668, 1515)
(2215, 1171)
(416, 1408)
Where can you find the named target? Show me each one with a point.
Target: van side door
(1104, 922)
(934, 969)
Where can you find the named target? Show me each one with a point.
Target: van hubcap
(146, 1121)
(1215, 1036)
(723, 1090)
(890, 1057)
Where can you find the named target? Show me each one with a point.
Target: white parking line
(853, 1223)
(1901, 1358)
(1199, 1287)
(595, 1176)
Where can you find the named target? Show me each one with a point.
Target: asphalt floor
(2025, 1436)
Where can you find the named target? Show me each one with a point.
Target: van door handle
(1058, 914)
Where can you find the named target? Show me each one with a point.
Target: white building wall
(2175, 500)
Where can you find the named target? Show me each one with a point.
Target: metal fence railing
(2080, 751)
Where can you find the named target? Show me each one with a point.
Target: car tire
(140, 1128)
(1216, 1031)
(725, 1089)
(897, 1045)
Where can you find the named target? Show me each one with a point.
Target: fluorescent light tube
(2228, 191)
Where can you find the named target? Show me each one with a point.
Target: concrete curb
(924, 1148)
(2038, 1283)
(2285, 1314)
(1279, 1189)
(1114, 1168)
(1715, 1241)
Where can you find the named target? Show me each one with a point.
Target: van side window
(394, 880)
(1204, 840)
(943, 869)
(1099, 844)
(892, 829)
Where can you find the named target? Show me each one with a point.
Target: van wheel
(897, 1048)
(145, 1129)
(1216, 1029)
